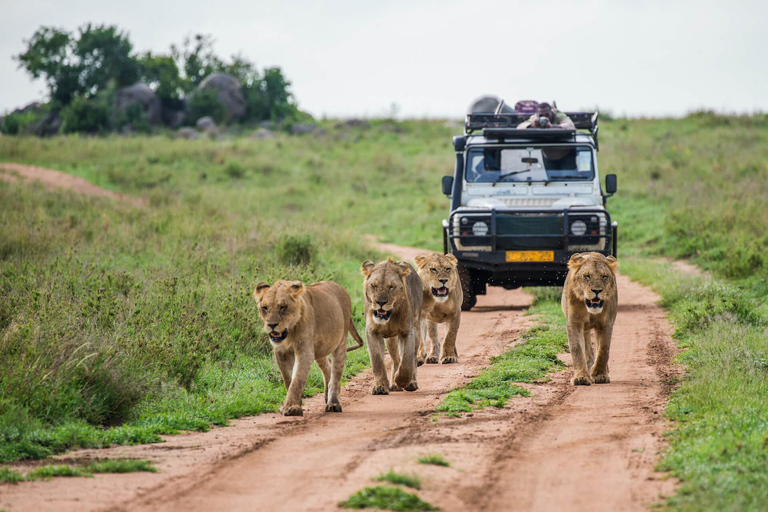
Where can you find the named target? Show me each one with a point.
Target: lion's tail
(353, 332)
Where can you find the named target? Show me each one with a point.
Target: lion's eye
(391, 288)
(605, 278)
(586, 276)
(283, 307)
(434, 270)
(373, 287)
(264, 309)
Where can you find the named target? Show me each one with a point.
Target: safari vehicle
(524, 200)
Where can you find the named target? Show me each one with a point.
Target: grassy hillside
(142, 317)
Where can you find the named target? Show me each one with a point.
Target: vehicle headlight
(579, 228)
(480, 228)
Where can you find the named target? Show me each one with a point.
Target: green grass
(386, 498)
(10, 476)
(118, 324)
(88, 470)
(48, 472)
(413, 481)
(434, 459)
(121, 466)
(529, 361)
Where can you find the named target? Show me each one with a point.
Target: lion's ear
(403, 268)
(576, 261)
(296, 288)
(420, 260)
(367, 268)
(260, 290)
(452, 259)
(613, 263)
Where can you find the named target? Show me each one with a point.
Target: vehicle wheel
(470, 299)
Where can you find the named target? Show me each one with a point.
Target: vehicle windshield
(549, 163)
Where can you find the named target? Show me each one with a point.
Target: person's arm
(532, 122)
(565, 123)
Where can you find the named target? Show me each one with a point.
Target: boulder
(47, 126)
(302, 128)
(230, 94)
(263, 133)
(208, 126)
(142, 95)
(186, 133)
(353, 123)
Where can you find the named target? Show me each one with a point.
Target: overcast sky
(356, 58)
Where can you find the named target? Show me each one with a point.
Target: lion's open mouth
(595, 303)
(382, 314)
(277, 337)
(440, 292)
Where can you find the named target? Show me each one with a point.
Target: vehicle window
(550, 163)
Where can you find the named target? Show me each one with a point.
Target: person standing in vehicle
(547, 117)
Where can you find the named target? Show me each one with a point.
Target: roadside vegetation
(88, 470)
(120, 323)
(387, 498)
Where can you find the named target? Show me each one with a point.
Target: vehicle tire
(470, 299)
(469, 302)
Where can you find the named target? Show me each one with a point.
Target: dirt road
(591, 448)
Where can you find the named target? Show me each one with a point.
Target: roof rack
(499, 125)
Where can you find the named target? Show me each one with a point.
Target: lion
(305, 324)
(393, 299)
(590, 301)
(442, 305)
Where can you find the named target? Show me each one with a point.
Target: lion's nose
(443, 281)
(381, 302)
(272, 326)
(596, 292)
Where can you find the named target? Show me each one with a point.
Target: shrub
(296, 250)
(86, 115)
(206, 103)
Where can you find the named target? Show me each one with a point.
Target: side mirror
(459, 143)
(447, 185)
(610, 184)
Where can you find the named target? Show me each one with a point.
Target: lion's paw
(582, 380)
(601, 378)
(412, 386)
(450, 360)
(333, 407)
(432, 360)
(395, 387)
(379, 390)
(419, 361)
(292, 410)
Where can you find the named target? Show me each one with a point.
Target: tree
(196, 59)
(99, 57)
(269, 97)
(161, 73)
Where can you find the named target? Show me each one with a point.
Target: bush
(86, 115)
(296, 250)
(206, 103)
(21, 123)
(135, 118)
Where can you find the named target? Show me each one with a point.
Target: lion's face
(594, 279)
(280, 307)
(384, 287)
(439, 272)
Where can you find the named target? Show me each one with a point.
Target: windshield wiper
(503, 178)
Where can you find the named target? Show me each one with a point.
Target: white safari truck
(524, 200)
